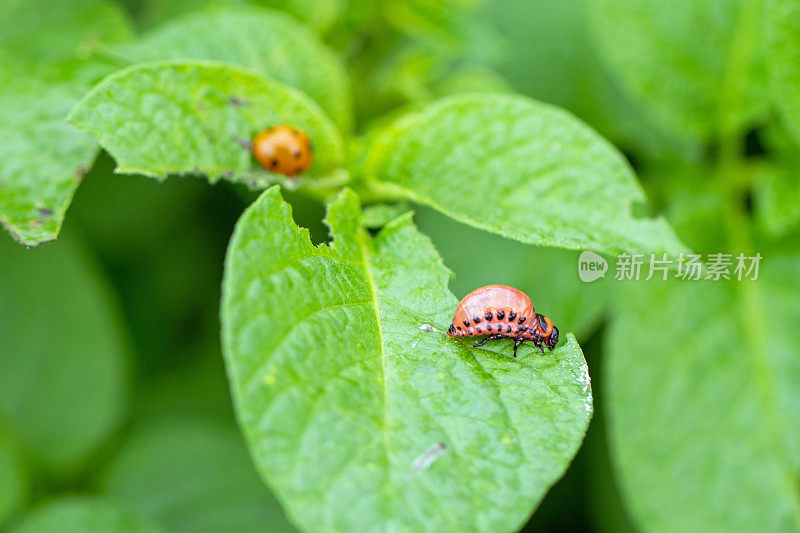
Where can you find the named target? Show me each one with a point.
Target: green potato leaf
(519, 168)
(783, 33)
(83, 514)
(54, 30)
(696, 66)
(43, 157)
(181, 117)
(269, 42)
(63, 354)
(359, 411)
(568, 72)
(171, 470)
(703, 384)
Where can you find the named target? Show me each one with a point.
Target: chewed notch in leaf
(359, 410)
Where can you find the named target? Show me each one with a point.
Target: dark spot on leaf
(246, 144)
(425, 460)
(36, 223)
(45, 212)
(237, 102)
(81, 171)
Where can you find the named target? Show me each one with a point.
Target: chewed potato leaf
(361, 413)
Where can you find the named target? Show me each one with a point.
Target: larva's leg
(487, 339)
(517, 342)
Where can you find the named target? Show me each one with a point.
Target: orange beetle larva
(283, 149)
(500, 312)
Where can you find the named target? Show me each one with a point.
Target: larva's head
(548, 331)
(552, 340)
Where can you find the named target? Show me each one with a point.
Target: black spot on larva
(297, 154)
(470, 331)
(273, 163)
(466, 323)
(489, 327)
(508, 329)
(512, 316)
(523, 328)
(522, 319)
(458, 328)
(500, 315)
(478, 330)
(451, 330)
(488, 316)
(476, 319)
(542, 323)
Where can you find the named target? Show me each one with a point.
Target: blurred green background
(122, 404)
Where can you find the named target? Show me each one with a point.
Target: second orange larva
(283, 149)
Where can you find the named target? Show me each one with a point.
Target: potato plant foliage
(270, 353)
